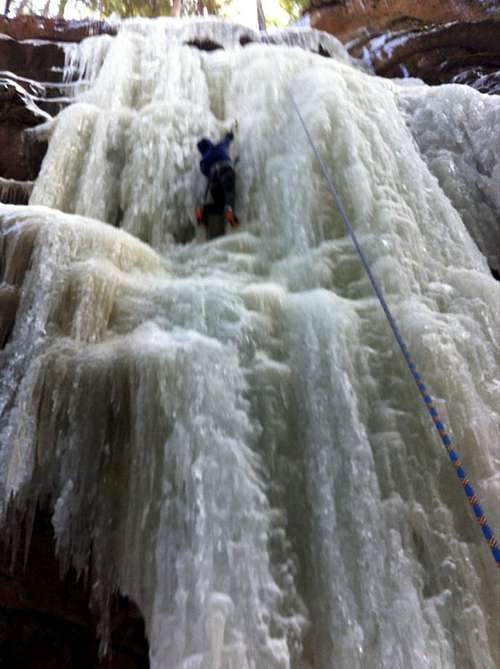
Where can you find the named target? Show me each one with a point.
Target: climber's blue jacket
(214, 153)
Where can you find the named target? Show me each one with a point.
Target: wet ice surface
(228, 425)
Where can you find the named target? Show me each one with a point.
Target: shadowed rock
(351, 19)
(15, 192)
(434, 41)
(204, 44)
(45, 621)
(56, 30)
(246, 39)
(31, 93)
(20, 154)
(457, 53)
(42, 61)
(17, 106)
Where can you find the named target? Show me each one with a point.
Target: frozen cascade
(226, 432)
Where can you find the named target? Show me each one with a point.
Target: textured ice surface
(227, 431)
(10, 189)
(458, 133)
(85, 59)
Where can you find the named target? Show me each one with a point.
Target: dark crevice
(45, 620)
(204, 44)
(246, 39)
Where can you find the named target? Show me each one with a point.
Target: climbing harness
(452, 453)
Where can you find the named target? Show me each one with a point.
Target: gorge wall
(32, 91)
(53, 615)
(439, 42)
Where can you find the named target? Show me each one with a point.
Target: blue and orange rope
(454, 458)
(445, 438)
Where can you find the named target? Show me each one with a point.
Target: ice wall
(458, 135)
(226, 431)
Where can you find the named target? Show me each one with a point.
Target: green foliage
(295, 7)
(127, 8)
(191, 7)
(152, 8)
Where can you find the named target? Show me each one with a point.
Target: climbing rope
(445, 438)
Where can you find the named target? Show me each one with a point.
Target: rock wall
(348, 18)
(45, 622)
(28, 27)
(32, 91)
(30, 94)
(440, 42)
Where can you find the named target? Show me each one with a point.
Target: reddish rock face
(21, 152)
(348, 19)
(17, 105)
(20, 155)
(467, 53)
(42, 61)
(25, 102)
(31, 73)
(54, 30)
(439, 42)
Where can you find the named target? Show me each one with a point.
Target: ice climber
(217, 166)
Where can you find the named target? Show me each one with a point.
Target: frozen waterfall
(225, 431)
